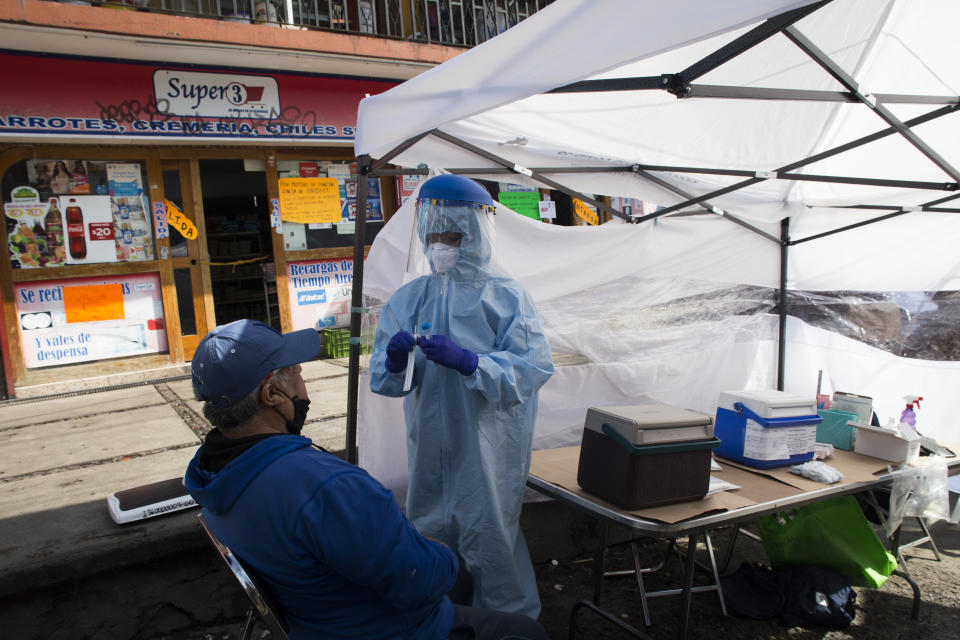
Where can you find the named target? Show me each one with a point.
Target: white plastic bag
(922, 493)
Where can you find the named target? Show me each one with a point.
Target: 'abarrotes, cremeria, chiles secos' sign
(215, 95)
(110, 100)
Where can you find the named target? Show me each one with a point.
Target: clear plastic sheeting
(680, 310)
(648, 319)
(630, 341)
(852, 366)
(909, 324)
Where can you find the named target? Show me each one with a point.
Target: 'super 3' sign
(215, 95)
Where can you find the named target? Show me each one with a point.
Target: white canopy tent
(776, 121)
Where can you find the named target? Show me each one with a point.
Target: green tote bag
(833, 534)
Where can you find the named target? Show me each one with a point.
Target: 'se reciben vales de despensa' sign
(109, 99)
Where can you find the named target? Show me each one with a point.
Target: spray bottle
(909, 416)
(908, 419)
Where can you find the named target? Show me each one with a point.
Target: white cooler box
(766, 428)
(651, 423)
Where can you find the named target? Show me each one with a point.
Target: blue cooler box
(765, 429)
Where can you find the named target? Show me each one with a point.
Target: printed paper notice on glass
(548, 209)
(309, 200)
(523, 202)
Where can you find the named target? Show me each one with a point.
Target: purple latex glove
(446, 352)
(399, 348)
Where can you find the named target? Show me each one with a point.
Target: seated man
(326, 539)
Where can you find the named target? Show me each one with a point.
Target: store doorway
(237, 215)
(185, 256)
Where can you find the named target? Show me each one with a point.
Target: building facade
(167, 166)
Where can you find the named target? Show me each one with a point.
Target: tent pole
(768, 28)
(531, 174)
(927, 206)
(764, 93)
(706, 205)
(848, 227)
(356, 307)
(732, 92)
(398, 172)
(885, 114)
(400, 148)
(808, 177)
(677, 83)
(782, 305)
(873, 137)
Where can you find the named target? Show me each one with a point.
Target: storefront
(145, 204)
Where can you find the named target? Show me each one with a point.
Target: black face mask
(300, 407)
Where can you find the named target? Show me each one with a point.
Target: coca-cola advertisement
(51, 224)
(88, 229)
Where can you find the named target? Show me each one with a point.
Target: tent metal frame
(681, 85)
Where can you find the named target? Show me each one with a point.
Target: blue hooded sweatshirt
(328, 541)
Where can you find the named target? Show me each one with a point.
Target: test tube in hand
(425, 327)
(411, 359)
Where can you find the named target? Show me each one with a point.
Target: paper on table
(854, 467)
(717, 485)
(714, 466)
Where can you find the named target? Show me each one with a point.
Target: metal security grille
(462, 23)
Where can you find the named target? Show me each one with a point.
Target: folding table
(553, 472)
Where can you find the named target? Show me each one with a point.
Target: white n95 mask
(443, 256)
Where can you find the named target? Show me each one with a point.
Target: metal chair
(262, 607)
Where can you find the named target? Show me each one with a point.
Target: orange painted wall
(158, 25)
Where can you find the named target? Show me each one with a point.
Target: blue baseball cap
(234, 358)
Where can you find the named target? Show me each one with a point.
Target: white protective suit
(469, 436)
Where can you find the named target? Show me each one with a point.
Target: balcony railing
(462, 23)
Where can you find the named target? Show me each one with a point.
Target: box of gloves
(766, 428)
(646, 455)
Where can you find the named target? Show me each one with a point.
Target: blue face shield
(451, 237)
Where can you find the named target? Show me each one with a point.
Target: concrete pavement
(61, 455)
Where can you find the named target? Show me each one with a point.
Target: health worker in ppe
(480, 356)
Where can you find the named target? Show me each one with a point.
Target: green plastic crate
(336, 343)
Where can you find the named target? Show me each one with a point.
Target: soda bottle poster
(320, 293)
(34, 230)
(88, 229)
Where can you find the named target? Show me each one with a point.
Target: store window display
(63, 212)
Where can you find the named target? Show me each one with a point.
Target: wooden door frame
(197, 258)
